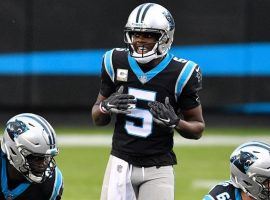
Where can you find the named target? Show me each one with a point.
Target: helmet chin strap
(34, 178)
(146, 58)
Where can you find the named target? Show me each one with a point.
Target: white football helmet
(29, 143)
(250, 169)
(153, 18)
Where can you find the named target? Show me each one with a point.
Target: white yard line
(205, 184)
(100, 140)
(105, 140)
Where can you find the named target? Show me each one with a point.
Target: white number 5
(147, 118)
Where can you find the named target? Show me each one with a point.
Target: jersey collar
(145, 77)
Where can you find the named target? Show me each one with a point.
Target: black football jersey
(50, 189)
(224, 191)
(137, 139)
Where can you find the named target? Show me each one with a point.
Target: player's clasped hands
(118, 103)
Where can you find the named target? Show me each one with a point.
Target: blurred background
(51, 53)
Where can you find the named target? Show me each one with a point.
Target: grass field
(198, 167)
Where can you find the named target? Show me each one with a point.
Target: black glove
(164, 113)
(118, 103)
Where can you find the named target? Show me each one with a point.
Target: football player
(28, 168)
(250, 174)
(152, 93)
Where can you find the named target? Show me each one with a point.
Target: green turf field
(208, 131)
(83, 170)
(198, 167)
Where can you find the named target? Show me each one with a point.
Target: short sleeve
(107, 86)
(189, 98)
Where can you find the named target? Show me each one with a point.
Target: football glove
(164, 114)
(118, 103)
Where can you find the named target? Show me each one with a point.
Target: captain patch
(122, 75)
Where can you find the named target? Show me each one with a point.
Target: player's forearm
(190, 129)
(99, 118)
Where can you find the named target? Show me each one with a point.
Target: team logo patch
(122, 75)
(170, 19)
(243, 160)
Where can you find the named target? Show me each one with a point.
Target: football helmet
(29, 143)
(151, 18)
(250, 169)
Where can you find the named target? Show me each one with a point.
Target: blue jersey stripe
(108, 64)
(184, 77)
(57, 183)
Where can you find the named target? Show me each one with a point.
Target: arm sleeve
(189, 98)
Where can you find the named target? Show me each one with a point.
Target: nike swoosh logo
(197, 69)
(165, 120)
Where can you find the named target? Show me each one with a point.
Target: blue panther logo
(16, 128)
(170, 19)
(243, 160)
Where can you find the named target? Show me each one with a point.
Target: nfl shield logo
(119, 168)
(122, 75)
(143, 79)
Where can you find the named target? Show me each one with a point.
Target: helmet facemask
(150, 54)
(264, 183)
(36, 167)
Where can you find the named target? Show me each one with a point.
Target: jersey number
(223, 196)
(143, 114)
